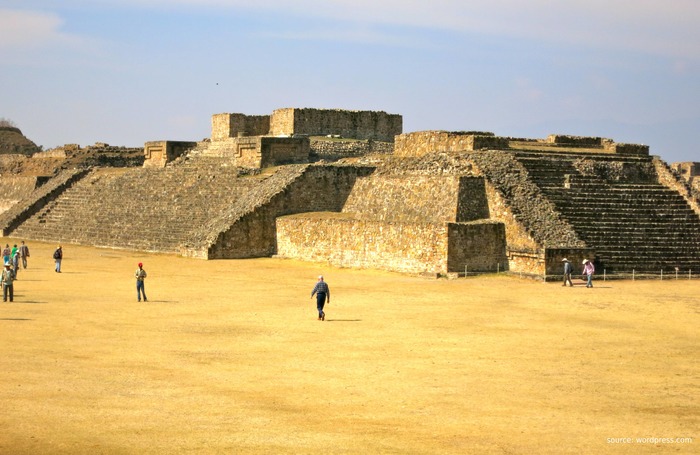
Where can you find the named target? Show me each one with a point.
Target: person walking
(15, 263)
(6, 253)
(568, 270)
(588, 271)
(323, 296)
(58, 257)
(140, 286)
(23, 254)
(7, 279)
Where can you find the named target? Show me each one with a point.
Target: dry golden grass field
(227, 357)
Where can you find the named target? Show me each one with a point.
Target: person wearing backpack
(58, 257)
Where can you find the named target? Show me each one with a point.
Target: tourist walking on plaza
(6, 253)
(7, 279)
(140, 286)
(588, 270)
(323, 295)
(58, 257)
(15, 263)
(568, 270)
(24, 254)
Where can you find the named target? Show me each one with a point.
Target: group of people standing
(11, 258)
(588, 271)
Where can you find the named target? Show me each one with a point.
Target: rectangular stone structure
(375, 125)
(159, 153)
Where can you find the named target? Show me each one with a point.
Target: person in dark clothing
(323, 296)
(58, 257)
(568, 270)
(8, 277)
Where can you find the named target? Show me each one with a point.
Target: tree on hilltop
(7, 122)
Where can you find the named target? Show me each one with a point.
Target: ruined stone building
(350, 189)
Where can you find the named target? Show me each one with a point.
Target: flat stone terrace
(618, 208)
(140, 208)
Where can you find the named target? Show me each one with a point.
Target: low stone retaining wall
(342, 241)
(434, 248)
(334, 150)
(424, 142)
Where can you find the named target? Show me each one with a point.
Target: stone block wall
(342, 241)
(248, 229)
(38, 199)
(405, 198)
(554, 265)
(418, 198)
(577, 141)
(333, 150)
(690, 192)
(376, 125)
(259, 151)
(15, 188)
(689, 171)
(479, 246)
(434, 248)
(224, 126)
(159, 153)
(424, 142)
(626, 149)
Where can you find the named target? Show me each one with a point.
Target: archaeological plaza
(351, 189)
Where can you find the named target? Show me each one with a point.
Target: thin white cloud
(663, 28)
(21, 30)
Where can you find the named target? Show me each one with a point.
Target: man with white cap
(323, 295)
(7, 279)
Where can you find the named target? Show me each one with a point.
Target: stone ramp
(617, 207)
(139, 208)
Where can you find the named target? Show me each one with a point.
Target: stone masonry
(431, 202)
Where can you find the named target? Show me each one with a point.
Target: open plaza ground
(228, 357)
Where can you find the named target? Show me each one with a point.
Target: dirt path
(228, 357)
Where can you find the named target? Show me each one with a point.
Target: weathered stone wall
(478, 246)
(667, 178)
(626, 149)
(554, 265)
(407, 199)
(577, 141)
(424, 142)
(14, 188)
(690, 172)
(412, 198)
(160, 153)
(259, 151)
(333, 150)
(58, 152)
(376, 125)
(247, 229)
(342, 241)
(224, 126)
(38, 199)
(434, 248)
(616, 170)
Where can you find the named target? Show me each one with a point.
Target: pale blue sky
(130, 71)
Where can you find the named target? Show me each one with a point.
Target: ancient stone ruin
(349, 188)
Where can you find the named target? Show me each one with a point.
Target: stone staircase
(140, 208)
(619, 210)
